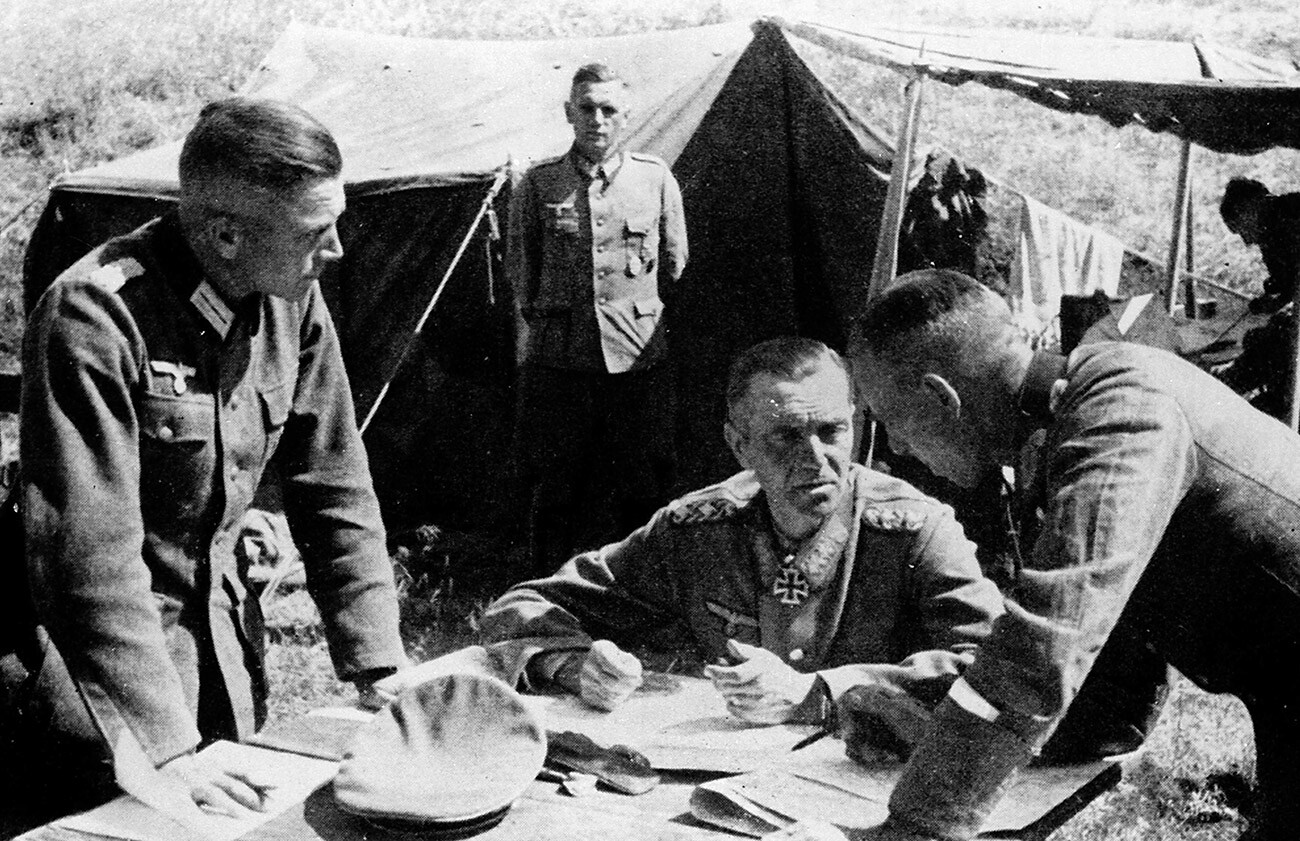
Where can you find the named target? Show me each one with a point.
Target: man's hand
(609, 675)
(760, 688)
(226, 790)
(881, 723)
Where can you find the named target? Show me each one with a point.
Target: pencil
(808, 740)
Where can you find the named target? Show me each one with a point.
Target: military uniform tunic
(585, 252)
(593, 253)
(151, 408)
(896, 594)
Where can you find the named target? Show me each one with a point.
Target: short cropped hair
(942, 314)
(264, 142)
(594, 74)
(1239, 193)
(787, 357)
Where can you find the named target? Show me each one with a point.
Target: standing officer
(1166, 505)
(162, 374)
(597, 238)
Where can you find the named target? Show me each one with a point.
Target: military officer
(162, 374)
(1166, 505)
(809, 574)
(596, 242)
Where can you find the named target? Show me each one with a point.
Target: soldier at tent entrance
(809, 574)
(596, 243)
(162, 375)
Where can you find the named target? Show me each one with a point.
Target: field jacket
(151, 409)
(906, 603)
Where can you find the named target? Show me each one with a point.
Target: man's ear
(941, 391)
(735, 442)
(569, 115)
(225, 235)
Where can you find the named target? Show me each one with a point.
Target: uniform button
(602, 299)
(796, 655)
(166, 433)
(600, 249)
(600, 223)
(603, 273)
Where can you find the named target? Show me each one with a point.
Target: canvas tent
(782, 185)
(784, 188)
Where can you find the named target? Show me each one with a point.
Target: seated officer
(807, 573)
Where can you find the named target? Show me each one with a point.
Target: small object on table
(618, 767)
(811, 739)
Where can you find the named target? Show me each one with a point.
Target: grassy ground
(82, 81)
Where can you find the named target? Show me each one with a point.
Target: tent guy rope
(497, 183)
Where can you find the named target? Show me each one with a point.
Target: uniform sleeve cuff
(957, 774)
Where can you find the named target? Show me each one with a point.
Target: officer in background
(1272, 222)
(597, 240)
(810, 575)
(162, 375)
(1264, 368)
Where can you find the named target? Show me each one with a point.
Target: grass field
(83, 81)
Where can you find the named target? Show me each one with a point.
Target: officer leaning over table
(806, 573)
(1165, 504)
(162, 375)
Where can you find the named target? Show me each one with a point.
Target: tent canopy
(412, 112)
(1218, 97)
(782, 185)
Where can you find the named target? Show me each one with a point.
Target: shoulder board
(883, 518)
(113, 276)
(691, 511)
(713, 504)
(646, 157)
(551, 161)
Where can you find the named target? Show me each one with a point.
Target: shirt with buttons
(592, 250)
(152, 408)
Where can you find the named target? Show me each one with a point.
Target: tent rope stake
(483, 208)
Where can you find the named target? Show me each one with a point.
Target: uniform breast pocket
(277, 401)
(641, 244)
(562, 218)
(177, 454)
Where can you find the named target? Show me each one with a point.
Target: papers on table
(679, 723)
(129, 819)
(823, 783)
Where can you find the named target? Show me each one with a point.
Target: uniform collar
(181, 268)
(818, 556)
(212, 306)
(1039, 390)
(605, 170)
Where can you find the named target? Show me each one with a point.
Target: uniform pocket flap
(277, 400)
(635, 227)
(171, 419)
(650, 307)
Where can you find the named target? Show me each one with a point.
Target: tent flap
(1213, 96)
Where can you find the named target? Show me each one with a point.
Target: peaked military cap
(448, 755)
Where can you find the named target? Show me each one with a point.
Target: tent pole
(1181, 200)
(501, 176)
(1293, 403)
(891, 220)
